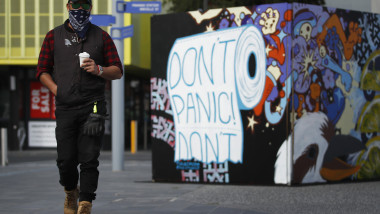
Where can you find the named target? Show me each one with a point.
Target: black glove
(94, 125)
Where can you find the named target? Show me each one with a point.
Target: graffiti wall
(279, 93)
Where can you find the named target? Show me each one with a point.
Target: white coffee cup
(83, 56)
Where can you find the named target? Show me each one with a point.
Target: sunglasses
(85, 6)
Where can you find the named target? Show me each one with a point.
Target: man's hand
(47, 81)
(109, 73)
(90, 67)
(94, 126)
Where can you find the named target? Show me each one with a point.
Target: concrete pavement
(29, 184)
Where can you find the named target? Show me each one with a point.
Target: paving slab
(29, 184)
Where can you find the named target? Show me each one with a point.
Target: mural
(334, 56)
(279, 93)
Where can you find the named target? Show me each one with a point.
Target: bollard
(4, 147)
(133, 136)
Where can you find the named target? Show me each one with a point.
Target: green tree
(189, 5)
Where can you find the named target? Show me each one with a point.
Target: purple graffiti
(328, 79)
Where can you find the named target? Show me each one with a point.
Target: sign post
(122, 32)
(117, 131)
(102, 20)
(119, 32)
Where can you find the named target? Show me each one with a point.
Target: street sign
(102, 20)
(122, 32)
(138, 7)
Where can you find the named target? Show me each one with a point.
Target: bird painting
(319, 155)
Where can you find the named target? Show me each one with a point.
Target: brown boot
(84, 207)
(71, 201)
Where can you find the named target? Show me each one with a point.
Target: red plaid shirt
(46, 58)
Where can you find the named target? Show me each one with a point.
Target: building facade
(26, 107)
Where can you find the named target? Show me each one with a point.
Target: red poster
(40, 102)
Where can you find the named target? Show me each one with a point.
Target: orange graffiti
(288, 15)
(301, 100)
(348, 43)
(337, 170)
(267, 90)
(315, 91)
(279, 52)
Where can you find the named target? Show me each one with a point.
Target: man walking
(80, 100)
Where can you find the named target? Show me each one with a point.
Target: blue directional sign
(102, 20)
(138, 7)
(122, 32)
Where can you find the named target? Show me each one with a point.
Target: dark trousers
(74, 148)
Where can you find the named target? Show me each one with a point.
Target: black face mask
(79, 20)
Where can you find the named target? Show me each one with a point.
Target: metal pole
(4, 147)
(118, 102)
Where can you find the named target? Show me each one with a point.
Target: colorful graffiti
(331, 64)
(212, 173)
(159, 95)
(190, 175)
(316, 154)
(163, 129)
(242, 85)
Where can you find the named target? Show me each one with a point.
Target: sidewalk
(29, 184)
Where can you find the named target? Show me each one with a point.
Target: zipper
(81, 69)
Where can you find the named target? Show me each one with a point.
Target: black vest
(75, 87)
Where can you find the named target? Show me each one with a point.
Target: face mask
(79, 20)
